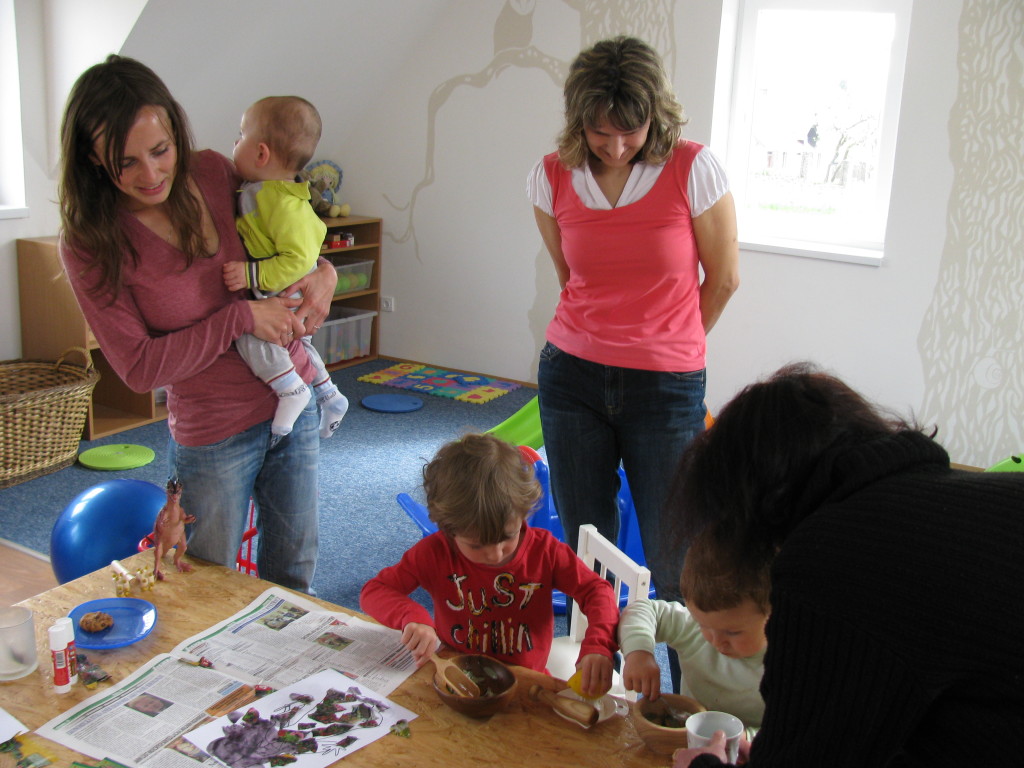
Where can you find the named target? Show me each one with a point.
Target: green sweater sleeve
(282, 233)
(644, 623)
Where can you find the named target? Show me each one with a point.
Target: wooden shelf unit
(367, 233)
(51, 322)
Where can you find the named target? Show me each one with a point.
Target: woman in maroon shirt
(147, 225)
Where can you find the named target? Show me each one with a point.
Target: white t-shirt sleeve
(707, 183)
(705, 187)
(538, 188)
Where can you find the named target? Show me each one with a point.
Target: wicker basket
(43, 406)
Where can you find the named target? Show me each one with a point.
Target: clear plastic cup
(18, 654)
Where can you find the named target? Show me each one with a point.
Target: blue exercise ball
(101, 524)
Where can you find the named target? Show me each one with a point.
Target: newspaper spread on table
(279, 639)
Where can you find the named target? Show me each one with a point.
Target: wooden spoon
(578, 711)
(455, 677)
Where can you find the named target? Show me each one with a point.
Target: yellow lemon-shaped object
(576, 685)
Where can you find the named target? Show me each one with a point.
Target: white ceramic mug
(701, 726)
(18, 654)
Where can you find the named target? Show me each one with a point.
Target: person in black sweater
(897, 599)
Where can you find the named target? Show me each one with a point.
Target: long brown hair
(106, 100)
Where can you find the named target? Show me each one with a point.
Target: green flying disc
(119, 456)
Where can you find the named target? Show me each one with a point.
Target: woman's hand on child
(641, 673)
(274, 321)
(317, 292)
(421, 640)
(234, 275)
(595, 674)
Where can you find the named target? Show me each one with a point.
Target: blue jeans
(594, 416)
(218, 480)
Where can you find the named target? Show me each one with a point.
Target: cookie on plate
(96, 621)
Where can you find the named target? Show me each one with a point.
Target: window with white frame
(12, 163)
(816, 94)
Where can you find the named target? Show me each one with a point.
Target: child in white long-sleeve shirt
(719, 636)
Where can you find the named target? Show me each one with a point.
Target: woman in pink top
(147, 226)
(630, 214)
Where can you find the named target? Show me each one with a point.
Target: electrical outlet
(387, 303)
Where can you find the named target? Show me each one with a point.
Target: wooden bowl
(661, 738)
(496, 681)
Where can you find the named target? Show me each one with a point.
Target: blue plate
(133, 620)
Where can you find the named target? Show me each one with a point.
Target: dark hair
(744, 476)
(477, 485)
(714, 580)
(621, 80)
(290, 126)
(106, 99)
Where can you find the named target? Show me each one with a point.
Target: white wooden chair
(610, 562)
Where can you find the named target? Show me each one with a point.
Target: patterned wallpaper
(972, 337)
(650, 20)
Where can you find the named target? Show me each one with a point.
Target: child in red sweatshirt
(489, 574)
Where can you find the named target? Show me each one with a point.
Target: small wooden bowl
(496, 681)
(660, 738)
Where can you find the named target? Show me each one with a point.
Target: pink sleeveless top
(632, 299)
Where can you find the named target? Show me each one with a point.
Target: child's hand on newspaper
(421, 640)
(234, 275)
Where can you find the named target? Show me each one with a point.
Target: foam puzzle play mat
(423, 379)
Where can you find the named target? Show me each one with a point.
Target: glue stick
(69, 637)
(59, 655)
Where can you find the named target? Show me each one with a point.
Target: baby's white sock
(333, 407)
(292, 394)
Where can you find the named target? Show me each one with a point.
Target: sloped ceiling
(233, 51)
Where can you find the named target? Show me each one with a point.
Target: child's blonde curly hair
(477, 485)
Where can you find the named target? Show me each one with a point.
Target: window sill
(10, 212)
(871, 257)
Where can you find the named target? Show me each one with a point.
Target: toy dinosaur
(169, 530)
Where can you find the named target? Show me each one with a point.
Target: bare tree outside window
(810, 158)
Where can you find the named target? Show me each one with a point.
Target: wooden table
(527, 733)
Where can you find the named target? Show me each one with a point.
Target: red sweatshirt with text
(502, 611)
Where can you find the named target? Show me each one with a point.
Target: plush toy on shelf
(322, 205)
(324, 179)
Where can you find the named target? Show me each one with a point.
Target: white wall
(56, 40)
(40, 188)
(437, 109)
(861, 321)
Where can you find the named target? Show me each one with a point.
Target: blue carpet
(372, 458)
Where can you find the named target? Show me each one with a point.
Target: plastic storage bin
(346, 334)
(354, 274)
